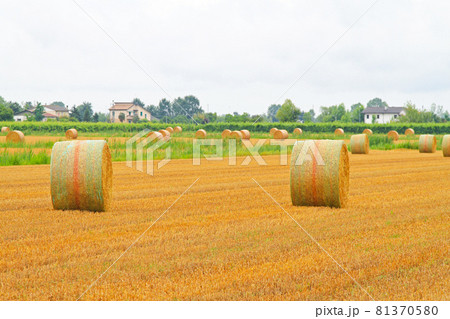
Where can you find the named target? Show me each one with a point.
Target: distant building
(22, 116)
(382, 115)
(57, 110)
(50, 112)
(129, 110)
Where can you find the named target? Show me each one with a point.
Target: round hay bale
(393, 135)
(169, 129)
(201, 133)
(72, 134)
(245, 134)
(338, 131)
(177, 129)
(164, 133)
(236, 135)
(155, 136)
(81, 175)
(409, 131)
(226, 133)
(15, 137)
(446, 145)
(280, 135)
(298, 131)
(359, 144)
(319, 173)
(368, 131)
(5, 129)
(273, 130)
(427, 144)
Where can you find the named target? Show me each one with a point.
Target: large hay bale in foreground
(245, 134)
(338, 131)
(72, 134)
(15, 137)
(169, 129)
(319, 173)
(273, 130)
(393, 135)
(359, 144)
(409, 131)
(236, 135)
(298, 131)
(5, 129)
(81, 175)
(226, 133)
(427, 144)
(368, 131)
(177, 129)
(165, 133)
(280, 135)
(201, 133)
(446, 145)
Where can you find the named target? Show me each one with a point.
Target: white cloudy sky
(233, 55)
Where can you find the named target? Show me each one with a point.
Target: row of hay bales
(19, 137)
(165, 133)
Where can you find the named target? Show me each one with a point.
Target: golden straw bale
(169, 129)
(319, 173)
(393, 135)
(446, 145)
(15, 137)
(427, 144)
(81, 175)
(368, 131)
(201, 133)
(273, 130)
(359, 144)
(245, 134)
(338, 131)
(165, 133)
(298, 131)
(72, 134)
(5, 129)
(280, 135)
(226, 133)
(155, 136)
(236, 135)
(177, 129)
(409, 131)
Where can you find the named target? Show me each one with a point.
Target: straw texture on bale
(169, 129)
(409, 131)
(338, 131)
(15, 137)
(164, 133)
(81, 175)
(5, 129)
(177, 129)
(368, 131)
(72, 134)
(226, 133)
(298, 131)
(236, 135)
(427, 144)
(201, 133)
(155, 136)
(245, 134)
(359, 144)
(446, 145)
(280, 134)
(273, 130)
(393, 135)
(319, 173)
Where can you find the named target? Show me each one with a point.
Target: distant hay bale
(280, 134)
(338, 131)
(273, 130)
(427, 144)
(393, 135)
(177, 129)
(245, 134)
(226, 133)
(72, 134)
(15, 137)
(298, 131)
(170, 129)
(5, 129)
(319, 173)
(409, 131)
(155, 136)
(359, 144)
(368, 131)
(446, 145)
(201, 133)
(81, 175)
(236, 135)
(165, 133)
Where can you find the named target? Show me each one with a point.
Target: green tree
(355, 113)
(135, 118)
(138, 102)
(309, 116)
(377, 102)
(39, 112)
(85, 111)
(16, 107)
(121, 117)
(59, 103)
(272, 112)
(74, 113)
(95, 117)
(6, 114)
(288, 112)
(332, 113)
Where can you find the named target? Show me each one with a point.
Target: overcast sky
(233, 55)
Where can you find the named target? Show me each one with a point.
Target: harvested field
(226, 239)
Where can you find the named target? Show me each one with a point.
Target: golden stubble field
(226, 239)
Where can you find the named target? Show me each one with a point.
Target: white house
(50, 112)
(382, 115)
(22, 116)
(129, 110)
